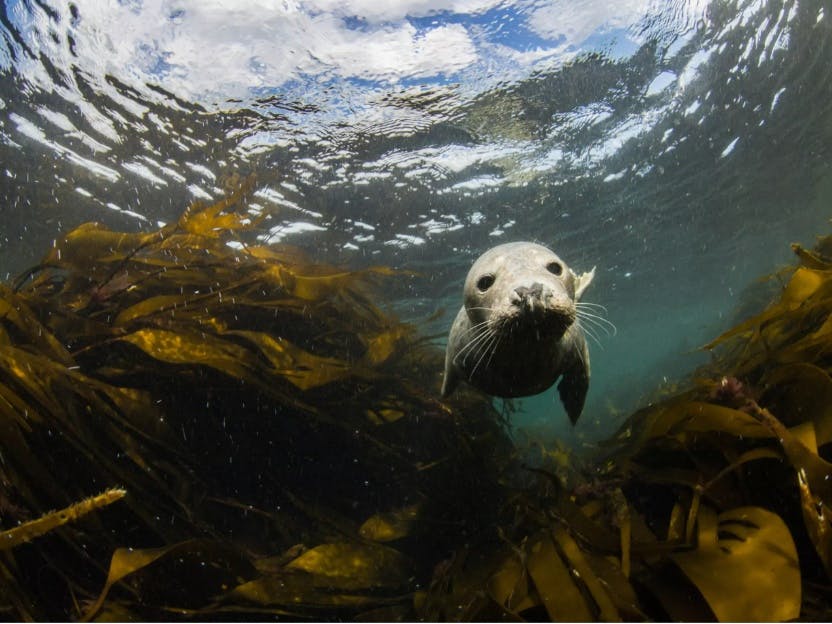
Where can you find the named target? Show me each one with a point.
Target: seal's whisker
(593, 311)
(477, 326)
(494, 337)
(589, 304)
(476, 331)
(589, 331)
(593, 308)
(471, 344)
(481, 349)
(608, 327)
(494, 350)
(476, 341)
(583, 354)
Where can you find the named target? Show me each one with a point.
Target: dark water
(677, 146)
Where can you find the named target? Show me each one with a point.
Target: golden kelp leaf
(207, 568)
(815, 470)
(817, 516)
(802, 346)
(823, 246)
(745, 566)
(618, 587)
(580, 565)
(814, 478)
(125, 561)
(621, 512)
(116, 612)
(154, 305)
(363, 565)
(457, 589)
(744, 458)
(806, 434)
(303, 369)
(296, 588)
(308, 288)
(509, 586)
(391, 525)
(676, 524)
(209, 222)
(555, 585)
(697, 416)
(286, 254)
(803, 284)
(16, 409)
(388, 415)
(35, 375)
(187, 348)
(92, 243)
(14, 310)
(383, 345)
(803, 392)
(810, 259)
(311, 282)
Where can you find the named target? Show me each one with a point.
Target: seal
(518, 330)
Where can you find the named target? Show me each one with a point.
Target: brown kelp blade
(252, 401)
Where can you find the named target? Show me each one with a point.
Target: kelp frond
(252, 401)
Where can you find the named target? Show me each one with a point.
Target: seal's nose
(528, 294)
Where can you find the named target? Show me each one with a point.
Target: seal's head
(519, 287)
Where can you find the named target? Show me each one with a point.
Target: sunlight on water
(678, 146)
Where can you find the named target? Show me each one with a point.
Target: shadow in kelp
(233, 431)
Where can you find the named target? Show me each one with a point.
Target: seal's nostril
(524, 293)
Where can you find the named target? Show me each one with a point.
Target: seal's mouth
(536, 308)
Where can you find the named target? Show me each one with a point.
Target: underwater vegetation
(194, 428)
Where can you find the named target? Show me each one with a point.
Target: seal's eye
(485, 282)
(555, 268)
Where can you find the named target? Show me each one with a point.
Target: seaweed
(258, 408)
(275, 441)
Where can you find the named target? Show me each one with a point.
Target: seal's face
(521, 288)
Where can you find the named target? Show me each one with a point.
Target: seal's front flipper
(572, 388)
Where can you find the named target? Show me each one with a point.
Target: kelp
(276, 441)
(47, 522)
(258, 408)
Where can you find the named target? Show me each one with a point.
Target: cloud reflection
(212, 50)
